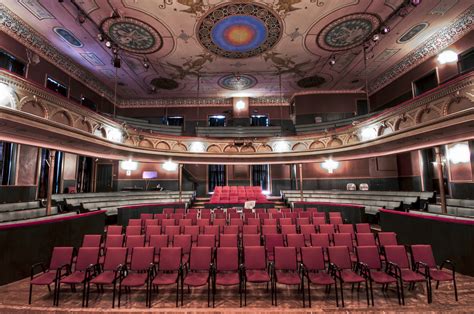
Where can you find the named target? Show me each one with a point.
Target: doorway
(104, 178)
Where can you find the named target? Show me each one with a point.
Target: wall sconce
(240, 105)
(197, 147)
(6, 96)
(129, 166)
(330, 165)
(281, 146)
(368, 133)
(459, 153)
(170, 165)
(447, 56)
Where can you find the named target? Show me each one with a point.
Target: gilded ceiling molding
(439, 41)
(22, 32)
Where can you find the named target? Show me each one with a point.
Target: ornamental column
(301, 181)
(51, 162)
(439, 171)
(180, 180)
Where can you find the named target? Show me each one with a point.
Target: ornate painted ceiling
(211, 48)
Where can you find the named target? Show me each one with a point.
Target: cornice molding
(11, 24)
(439, 41)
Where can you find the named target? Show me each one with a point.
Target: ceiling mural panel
(191, 47)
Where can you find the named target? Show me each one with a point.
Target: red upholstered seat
(44, 279)
(196, 279)
(288, 278)
(320, 278)
(135, 280)
(166, 278)
(257, 275)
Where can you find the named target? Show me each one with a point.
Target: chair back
(236, 221)
(158, 241)
(326, 228)
(193, 231)
(145, 216)
(335, 220)
(273, 240)
(285, 258)
(168, 211)
(344, 239)
(91, 240)
(133, 230)
(285, 221)
(233, 229)
(387, 238)
(254, 258)
(295, 240)
(135, 241)
(363, 228)
(62, 255)
(185, 222)
(134, 222)
(366, 239)
(171, 231)
(397, 255)
(339, 256)
(307, 230)
(87, 256)
(114, 257)
(142, 257)
(200, 258)
(170, 258)
(114, 240)
(214, 230)
(250, 240)
(114, 230)
(227, 259)
(320, 239)
(345, 228)
(228, 240)
(302, 221)
(250, 229)
(370, 256)
(168, 222)
(288, 229)
(270, 222)
(184, 241)
(313, 258)
(423, 253)
(269, 229)
(317, 221)
(152, 230)
(206, 240)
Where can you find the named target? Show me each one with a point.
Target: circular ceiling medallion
(164, 83)
(239, 30)
(347, 32)
(133, 35)
(311, 81)
(237, 82)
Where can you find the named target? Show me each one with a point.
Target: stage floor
(14, 299)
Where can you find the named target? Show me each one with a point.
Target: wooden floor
(14, 299)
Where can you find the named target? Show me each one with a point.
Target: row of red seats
(290, 266)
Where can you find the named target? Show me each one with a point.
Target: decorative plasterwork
(15, 27)
(452, 101)
(439, 41)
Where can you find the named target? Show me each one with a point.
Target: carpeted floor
(14, 299)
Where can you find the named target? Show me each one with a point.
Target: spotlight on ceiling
(146, 63)
(81, 18)
(384, 29)
(376, 37)
(116, 61)
(447, 56)
(100, 37)
(332, 60)
(108, 44)
(415, 3)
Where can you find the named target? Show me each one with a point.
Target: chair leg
(31, 291)
(455, 289)
(113, 295)
(342, 293)
(428, 290)
(309, 293)
(119, 294)
(398, 294)
(367, 292)
(177, 292)
(302, 291)
(337, 293)
(245, 292)
(402, 292)
(84, 287)
(371, 292)
(208, 292)
(57, 294)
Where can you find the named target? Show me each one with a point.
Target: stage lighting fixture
(384, 29)
(108, 44)
(100, 37)
(415, 3)
(376, 37)
(332, 61)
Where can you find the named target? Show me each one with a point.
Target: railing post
(301, 181)
(439, 171)
(180, 180)
(51, 162)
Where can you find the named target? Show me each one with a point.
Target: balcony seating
(239, 131)
(237, 195)
(23, 210)
(456, 207)
(322, 126)
(146, 125)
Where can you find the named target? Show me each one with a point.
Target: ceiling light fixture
(146, 63)
(170, 166)
(415, 3)
(447, 56)
(108, 44)
(376, 37)
(459, 153)
(332, 60)
(100, 37)
(384, 29)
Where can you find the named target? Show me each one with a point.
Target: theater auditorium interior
(270, 156)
